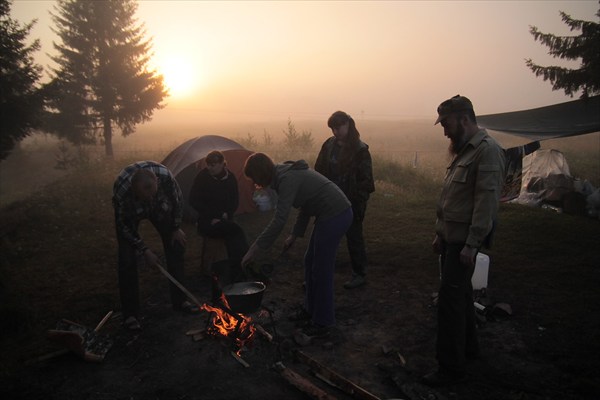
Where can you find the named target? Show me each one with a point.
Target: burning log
(338, 381)
(303, 384)
(224, 322)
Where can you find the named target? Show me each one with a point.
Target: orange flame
(225, 324)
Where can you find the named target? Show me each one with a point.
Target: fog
(247, 61)
(242, 69)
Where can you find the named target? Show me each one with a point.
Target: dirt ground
(547, 349)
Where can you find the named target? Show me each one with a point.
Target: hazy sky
(378, 59)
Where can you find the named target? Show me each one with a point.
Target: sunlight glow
(180, 76)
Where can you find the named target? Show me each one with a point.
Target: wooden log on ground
(302, 384)
(263, 332)
(240, 359)
(339, 381)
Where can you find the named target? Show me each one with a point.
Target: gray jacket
(300, 187)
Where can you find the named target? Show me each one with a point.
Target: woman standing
(314, 195)
(345, 160)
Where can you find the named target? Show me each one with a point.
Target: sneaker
(356, 281)
(440, 378)
(315, 330)
(132, 324)
(300, 315)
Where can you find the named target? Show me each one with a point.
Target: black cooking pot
(244, 297)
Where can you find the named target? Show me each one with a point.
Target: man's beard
(457, 141)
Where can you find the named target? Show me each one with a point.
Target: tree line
(102, 81)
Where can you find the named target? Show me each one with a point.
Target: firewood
(263, 332)
(344, 384)
(198, 336)
(101, 323)
(194, 332)
(402, 360)
(240, 359)
(303, 384)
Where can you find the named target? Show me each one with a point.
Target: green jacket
(468, 204)
(357, 180)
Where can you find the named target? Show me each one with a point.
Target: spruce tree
(103, 79)
(585, 46)
(20, 98)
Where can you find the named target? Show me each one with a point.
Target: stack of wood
(86, 343)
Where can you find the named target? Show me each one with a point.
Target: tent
(544, 177)
(189, 158)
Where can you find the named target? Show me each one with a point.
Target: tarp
(572, 118)
(546, 177)
(188, 159)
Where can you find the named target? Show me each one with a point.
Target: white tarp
(546, 177)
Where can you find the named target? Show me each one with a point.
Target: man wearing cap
(466, 214)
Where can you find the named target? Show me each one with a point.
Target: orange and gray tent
(188, 159)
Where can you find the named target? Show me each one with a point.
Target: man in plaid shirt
(147, 190)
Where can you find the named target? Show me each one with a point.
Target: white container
(262, 200)
(480, 275)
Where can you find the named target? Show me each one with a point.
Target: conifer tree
(103, 79)
(585, 46)
(20, 98)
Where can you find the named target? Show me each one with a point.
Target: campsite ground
(58, 261)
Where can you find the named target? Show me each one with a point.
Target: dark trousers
(356, 242)
(319, 263)
(231, 233)
(457, 334)
(128, 271)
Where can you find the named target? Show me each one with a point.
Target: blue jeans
(319, 264)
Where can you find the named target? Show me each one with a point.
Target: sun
(180, 76)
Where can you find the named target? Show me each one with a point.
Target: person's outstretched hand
(179, 236)
(151, 258)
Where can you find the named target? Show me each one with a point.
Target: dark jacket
(165, 208)
(211, 197)
(355, 179)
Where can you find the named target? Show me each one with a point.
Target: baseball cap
(453, 105)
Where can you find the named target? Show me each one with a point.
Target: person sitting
(214, 195)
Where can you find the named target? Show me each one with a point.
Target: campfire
(223, 322)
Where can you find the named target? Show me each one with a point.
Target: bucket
(480, 275)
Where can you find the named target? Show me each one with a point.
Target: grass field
(58, 260)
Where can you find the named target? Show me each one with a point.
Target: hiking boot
(356, 281)
(132, 324)
(299, 315)
(441, 378)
